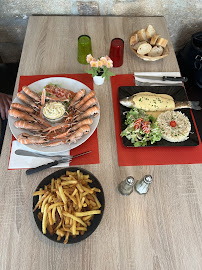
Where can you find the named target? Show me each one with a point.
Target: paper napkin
(26, 162)
(142, 81)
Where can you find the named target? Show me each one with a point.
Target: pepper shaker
(126, 186)
(142, 186)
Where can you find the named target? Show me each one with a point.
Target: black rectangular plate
(177, 92)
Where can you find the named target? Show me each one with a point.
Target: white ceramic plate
(38, 86)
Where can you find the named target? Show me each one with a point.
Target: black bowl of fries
(68, 205)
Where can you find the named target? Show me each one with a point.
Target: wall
(183, 17)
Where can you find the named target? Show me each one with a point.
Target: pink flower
(94, 64)
(109, 64)
(89, 58)
(103, 60)
(107, 57)
(99, 63)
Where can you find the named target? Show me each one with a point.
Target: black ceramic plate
(177, 92)
(97, 218)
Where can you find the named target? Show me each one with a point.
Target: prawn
(78, 134)
(84, 99)
(27, 100)
(77, 97)
(25, 138)
(30, 93)
(87, 121)
(27, 125)
(19, 114)
(91, 102)
(94, 111)
(22, 107)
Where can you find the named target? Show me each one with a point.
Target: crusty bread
(134, 39)
(156, 51)
(135, 46)
(154, 39)
(161, 42)
(144, 48)
(141, 35)
(150, 31)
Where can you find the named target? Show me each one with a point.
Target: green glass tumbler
(84, 48)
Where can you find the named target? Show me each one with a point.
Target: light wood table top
(159, 230)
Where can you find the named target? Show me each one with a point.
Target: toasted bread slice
(161, 42)
(134, 39)
(144, 48)
(154, 39)
(142, 35)
(156, 51)
(150, 31)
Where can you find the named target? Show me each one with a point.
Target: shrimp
(87, 121)
(86, 98)
(27, 100)
(54, 143)
(77, 97)
(30, 93)
(41, 121)
(27, 125)
(78, 134)
(55, 128)
(91, 102)
(25, 138)
(43, 97)
(19, 114)
(94, 111)
(22, 107)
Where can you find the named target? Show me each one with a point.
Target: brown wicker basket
(149, 58)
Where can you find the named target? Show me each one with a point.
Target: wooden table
(161, 230)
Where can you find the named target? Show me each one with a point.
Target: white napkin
(141, 81)
(24, 162)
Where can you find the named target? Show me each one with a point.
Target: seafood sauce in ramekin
(53, 111)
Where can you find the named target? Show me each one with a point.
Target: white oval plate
(38, 86)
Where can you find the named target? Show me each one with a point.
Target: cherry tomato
(173, 123)
(138, 123)
(146, 127)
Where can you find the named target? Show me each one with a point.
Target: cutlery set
(56, 159)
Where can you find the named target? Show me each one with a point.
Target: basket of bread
(148, 45)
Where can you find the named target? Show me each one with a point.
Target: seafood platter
(157, 116)
(54, 114)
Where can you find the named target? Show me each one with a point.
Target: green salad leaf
(138, 136)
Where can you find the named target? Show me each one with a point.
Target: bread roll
(135, 46)
(154, 39)
(156, 51)
(162, 42)
(144, 48)
(150, 31)
(142, 35)
(134, 39)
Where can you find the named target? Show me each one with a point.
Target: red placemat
(129, 156)
(92, 142)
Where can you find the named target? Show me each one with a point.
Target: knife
(56, 162)
(33, 154)
(163, 78)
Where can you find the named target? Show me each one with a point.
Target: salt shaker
(142, 186)
(126, 186)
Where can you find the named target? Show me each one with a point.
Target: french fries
(67, 205)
